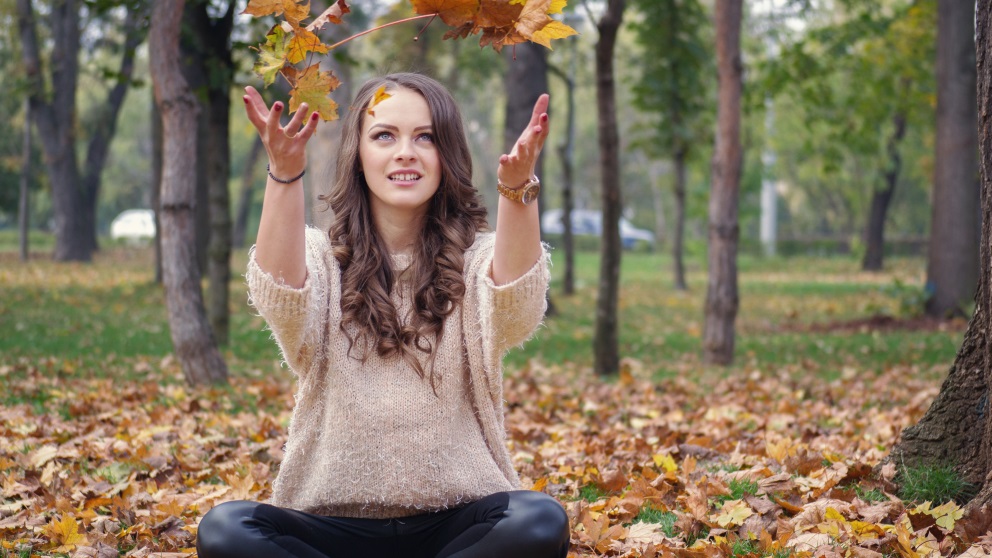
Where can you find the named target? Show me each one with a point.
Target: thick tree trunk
(191, 336)
(607, 342)
(23, 205)
(957, 429)
(55, 117)
(722, 299)
(952, 263)
(983, 21)
(526, 80)
(243, 210)
(882, 199)
(678, 236)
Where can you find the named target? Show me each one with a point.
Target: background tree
(722, 299)
(860, 78)
(952, 262)
(673, 89)
(53, 106)
(192, 338)
(607, 343)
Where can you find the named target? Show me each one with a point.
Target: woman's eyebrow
(392, 128)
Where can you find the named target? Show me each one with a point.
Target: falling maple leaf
(313, 88)
(552, 30)
(380, 96)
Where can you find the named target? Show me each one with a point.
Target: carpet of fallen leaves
(105, 468)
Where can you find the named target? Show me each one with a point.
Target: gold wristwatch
(526, 194)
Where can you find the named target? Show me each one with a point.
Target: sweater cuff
(272, 296)
(518, 307)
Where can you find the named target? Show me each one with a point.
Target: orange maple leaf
(380, 96)
(452, 12)
(65, 533)
(304, 41)
(313, 87)
(293, 11)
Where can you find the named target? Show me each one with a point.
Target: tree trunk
(722, 299)
(607, 342)
(566, 153)
(191, 336)
(526, 80)
(678, 236)
(103, 124)
(882, 199)
(957, 429)
(55, 117)
(156, 194)
(952, 263)
(23, 205)
(243, 210)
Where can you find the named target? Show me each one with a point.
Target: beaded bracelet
(281, 181)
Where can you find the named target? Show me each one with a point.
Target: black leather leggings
(520, 524)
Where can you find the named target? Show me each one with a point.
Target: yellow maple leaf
(304, 41)
(65, 533)
(553, 30)
(945, 514)
(666, 462)
(313, 88)
(557, 6)
(734, 512)
(835, 515)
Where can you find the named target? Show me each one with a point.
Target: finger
(272, 122)
(255, 108)
(310, 126)
(294, 123)
(540, 108)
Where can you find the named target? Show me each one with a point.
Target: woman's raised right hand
(285, 145)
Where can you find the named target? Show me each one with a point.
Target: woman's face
(398, 155)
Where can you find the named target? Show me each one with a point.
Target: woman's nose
(404, 149)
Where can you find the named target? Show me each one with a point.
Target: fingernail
(313, 117)
(245, 99)
(278, 106)
(544, 117)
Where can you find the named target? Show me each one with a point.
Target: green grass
(739, 488)
(938, 484)
(104, 317)
(666, 519)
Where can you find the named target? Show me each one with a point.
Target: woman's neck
(398, 231)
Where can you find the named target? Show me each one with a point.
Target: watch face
(530, 192)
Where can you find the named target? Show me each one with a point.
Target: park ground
(104, 451)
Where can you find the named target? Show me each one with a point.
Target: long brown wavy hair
(454, 216)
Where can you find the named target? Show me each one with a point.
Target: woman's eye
(382, 136)
(426, 137)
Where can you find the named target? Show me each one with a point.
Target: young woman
(395, 322)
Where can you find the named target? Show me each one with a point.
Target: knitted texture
(371, 439)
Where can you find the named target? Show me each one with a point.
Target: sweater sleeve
(296, 317)
(517, 308)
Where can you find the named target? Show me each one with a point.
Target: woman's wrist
(284, 177)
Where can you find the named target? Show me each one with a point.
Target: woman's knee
(222, 529)
(541, 520)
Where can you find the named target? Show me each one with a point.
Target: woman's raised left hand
(516, 168)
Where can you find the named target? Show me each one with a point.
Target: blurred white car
(133, 225)
(590, 222)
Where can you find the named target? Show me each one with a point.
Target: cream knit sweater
(372, 439)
